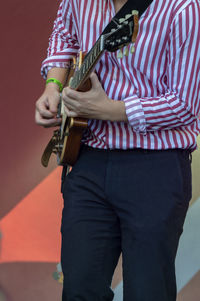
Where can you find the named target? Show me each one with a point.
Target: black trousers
(129, 201)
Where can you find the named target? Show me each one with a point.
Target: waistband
(139, 150)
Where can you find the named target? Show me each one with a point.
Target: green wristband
(54, 80)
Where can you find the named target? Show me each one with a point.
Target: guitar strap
(139, 5)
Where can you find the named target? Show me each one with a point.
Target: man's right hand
(47, 107)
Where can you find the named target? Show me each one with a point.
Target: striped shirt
(159, 83)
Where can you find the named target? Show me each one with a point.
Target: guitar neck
(91, 59)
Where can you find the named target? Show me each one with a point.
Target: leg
(151, 203)
(90, 234)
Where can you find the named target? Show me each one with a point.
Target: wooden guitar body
(72, 132)
(71, 141)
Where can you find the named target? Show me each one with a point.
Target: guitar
(66, 141)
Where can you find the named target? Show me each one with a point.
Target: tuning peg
(128, 16)
(135, 12)
(132, 49)
(125, 38)
(121, 20)
(120, 54)
(126, 51)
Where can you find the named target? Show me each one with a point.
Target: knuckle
(37, 104)
(79, 97)
(38, 122)
(41, 112)
(78, 105)
(66, 90)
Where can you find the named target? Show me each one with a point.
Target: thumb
(53, 103)
(94, 80)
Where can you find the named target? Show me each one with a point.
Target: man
(130, 188)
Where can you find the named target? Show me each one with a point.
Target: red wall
(24, 31)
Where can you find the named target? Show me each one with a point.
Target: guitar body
(72, 131)
(71, 141)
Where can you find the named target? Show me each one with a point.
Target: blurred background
(30, 199)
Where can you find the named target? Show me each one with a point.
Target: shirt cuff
(47, 65)
(135, 114)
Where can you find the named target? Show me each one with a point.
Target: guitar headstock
(124, 32)
(118, 33)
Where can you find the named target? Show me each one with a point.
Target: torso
(144, 74)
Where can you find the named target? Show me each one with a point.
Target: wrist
(56, 82)
(51, 86)
(117, 111)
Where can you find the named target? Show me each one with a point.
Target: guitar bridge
(58, 148)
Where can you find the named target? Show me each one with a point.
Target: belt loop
(190, 157)
(65, 171)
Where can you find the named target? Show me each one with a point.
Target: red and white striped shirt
(159, 83)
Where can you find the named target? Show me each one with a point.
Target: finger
(46, 122)
(70, 103)
(70, 113)
(72, 94)
(49, 122)
(52, 124)
(43, 109)
(46, 113)
(94, 80)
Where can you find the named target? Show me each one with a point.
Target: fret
(88, 63)
(91, 59)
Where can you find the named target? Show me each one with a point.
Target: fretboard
(88, 64)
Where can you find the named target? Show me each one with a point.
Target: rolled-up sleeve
(180, 104)
(63, 44)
